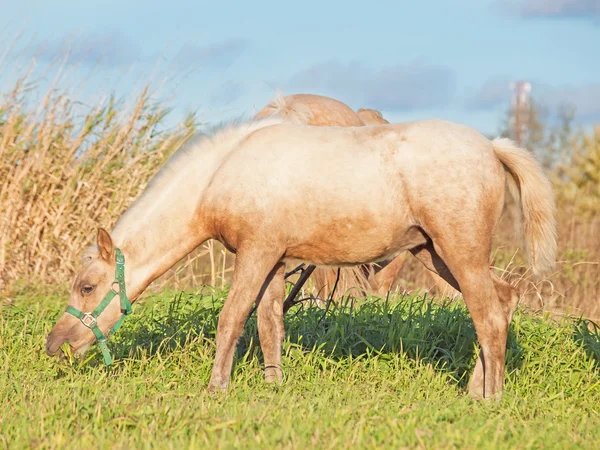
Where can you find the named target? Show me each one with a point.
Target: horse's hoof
(476, 388)
(273, 375)
(217, 388)
(476, 393)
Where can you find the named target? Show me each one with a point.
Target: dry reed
(62, 176)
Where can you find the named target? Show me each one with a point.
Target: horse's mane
(221, 137)
(192, 161)
(373, 111)
(284, 107)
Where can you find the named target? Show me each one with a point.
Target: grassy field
(382, 374)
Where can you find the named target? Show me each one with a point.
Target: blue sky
(446, 59)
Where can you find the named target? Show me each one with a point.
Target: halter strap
(89, 319)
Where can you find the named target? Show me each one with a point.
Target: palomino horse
(318, 110)
(246, 185)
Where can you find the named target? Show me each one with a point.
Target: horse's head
(92, 284)
(371, 117)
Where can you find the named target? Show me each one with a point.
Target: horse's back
(337, 162)
(290, 164)
(363, 185)
(418, 140)
(327, 111)
(310, 109)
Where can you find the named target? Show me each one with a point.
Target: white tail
(534, 193)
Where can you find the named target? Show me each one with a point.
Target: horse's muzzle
(53, 342)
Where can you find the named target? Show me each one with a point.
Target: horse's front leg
(254, 269)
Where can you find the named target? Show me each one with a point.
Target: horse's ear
(105, 245)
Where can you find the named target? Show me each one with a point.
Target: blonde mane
(220, 139)
(283, 107)
(189, 170)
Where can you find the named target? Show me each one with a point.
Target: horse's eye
(87, 289)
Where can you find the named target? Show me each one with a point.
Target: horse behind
(318, 110)
(246, 186)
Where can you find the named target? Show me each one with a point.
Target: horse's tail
(538, 209)
(286, 108)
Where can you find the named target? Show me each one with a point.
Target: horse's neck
(152, 248)
(166, 222)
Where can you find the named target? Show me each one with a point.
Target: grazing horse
(318, 110)
(246, 185)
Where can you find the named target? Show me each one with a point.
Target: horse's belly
(350, 243)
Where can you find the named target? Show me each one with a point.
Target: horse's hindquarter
(326, 195)
(454, 182)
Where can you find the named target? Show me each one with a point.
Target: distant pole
(520, 107)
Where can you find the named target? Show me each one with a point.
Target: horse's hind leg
(507, 294)
(491, 302)
(270, 324)
(254, 270)
(509, 300)
(427, 255)
(382, 281)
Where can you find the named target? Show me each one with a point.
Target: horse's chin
(53, 347)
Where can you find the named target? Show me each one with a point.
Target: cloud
(490, 95)
(553, 9)
(107, 49)
(584, 98)
(220, 55)
(228, 92)
(115, 49)
(394, 88)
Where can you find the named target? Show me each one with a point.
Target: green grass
(386, 374)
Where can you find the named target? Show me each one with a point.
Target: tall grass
(63, 174)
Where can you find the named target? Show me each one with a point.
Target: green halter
(89, 319)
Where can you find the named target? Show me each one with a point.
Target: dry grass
(63, 174)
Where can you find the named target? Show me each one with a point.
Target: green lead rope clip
(89, 319)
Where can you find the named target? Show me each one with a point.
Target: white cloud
(400, 87)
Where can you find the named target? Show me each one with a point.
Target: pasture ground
(382, 374)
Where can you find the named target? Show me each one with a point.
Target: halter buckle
(88, 320)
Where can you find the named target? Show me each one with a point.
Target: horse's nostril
(49, 349)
